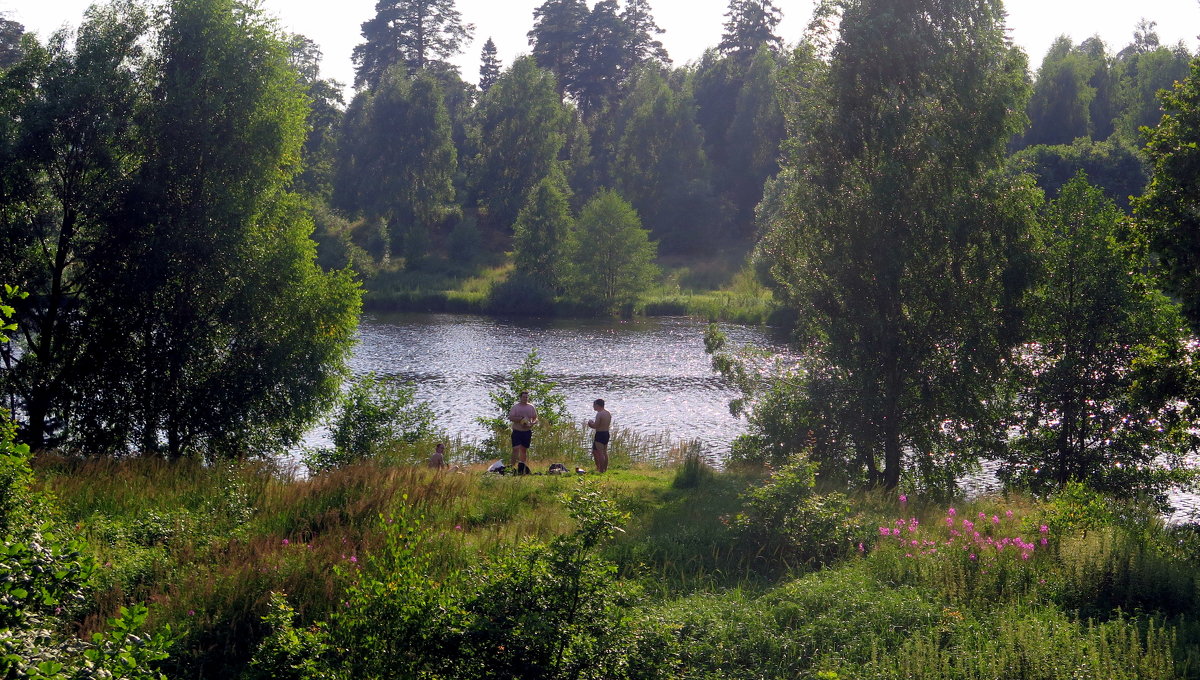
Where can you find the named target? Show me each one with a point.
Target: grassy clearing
(1048, 589)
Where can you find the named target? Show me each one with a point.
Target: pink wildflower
(952, 512)
(903, 498)
(861, 548)
(895, 532)
(1008, 514)
(285, 541)
(972, 555)
(995, 519)
(353, 559)
(1043, 529)
(1043, 541)
(884, 531)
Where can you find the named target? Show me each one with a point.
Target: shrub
(374, 415)
(787, 519)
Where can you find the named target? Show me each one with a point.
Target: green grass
(206, 545)
(719, 289)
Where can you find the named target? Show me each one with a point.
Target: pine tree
(603, 62)
(643, 46)
(489, 66)
(556, 36)
(415, 33)
(749, 25)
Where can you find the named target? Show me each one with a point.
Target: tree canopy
(413, 33)
(900, 248)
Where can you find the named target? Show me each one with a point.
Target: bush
(374, 415)
(786, 519)
(541, 611)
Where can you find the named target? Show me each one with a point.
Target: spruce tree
(750, 24)
(489, 66)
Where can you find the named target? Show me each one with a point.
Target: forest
(976, 262)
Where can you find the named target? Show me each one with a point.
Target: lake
(652, 372)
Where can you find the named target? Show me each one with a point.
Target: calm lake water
(653, 374)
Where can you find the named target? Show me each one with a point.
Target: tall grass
(206, 545)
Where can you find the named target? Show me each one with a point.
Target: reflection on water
(653, 373)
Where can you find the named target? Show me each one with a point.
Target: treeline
(427, 171)
(1088, 107)
(171, 301)
(947, 309)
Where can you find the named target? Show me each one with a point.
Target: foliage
(1097, 397)
(528, 377)
(397, 162)
(1167, 210)
(47, 578)
(197, 319)
(613, 255)
(373, 416)
(411, 34)
(67, 151)
(1065, 92)
(287, 652)
(541, 235)
(540, 611)
(1110, 165)
(902, 248)
(523, 128)
(789, 521)
(660, 167)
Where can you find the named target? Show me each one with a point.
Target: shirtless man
(523, 417)
(438, 460)
(600, 444)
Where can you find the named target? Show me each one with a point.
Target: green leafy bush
(787, 520)
(374, 415)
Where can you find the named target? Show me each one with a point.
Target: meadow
(384, 568)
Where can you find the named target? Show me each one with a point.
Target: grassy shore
(716, 291)
(743, 573)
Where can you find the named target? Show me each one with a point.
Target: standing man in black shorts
(523, 417)
(601, 425)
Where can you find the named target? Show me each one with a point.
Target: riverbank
(716, 291)
(735, 574)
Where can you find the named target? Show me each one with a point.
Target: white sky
(691, 25)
